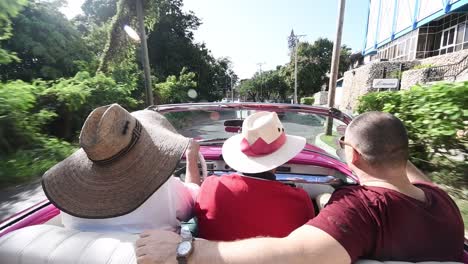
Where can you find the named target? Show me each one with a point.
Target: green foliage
(20, 122)
(32, 113)
(432, 116)
(74, 98)
(170, 41)
(26, 164)
(307, 100)
(313, 65)
(46, 43)
(269, 85)
(376, 101)
(250, 88)
(8, 10)
(175, 90)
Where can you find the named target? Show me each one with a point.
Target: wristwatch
(185, 247)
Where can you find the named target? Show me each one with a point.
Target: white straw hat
(262, 146)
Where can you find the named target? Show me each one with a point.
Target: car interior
(53, 244)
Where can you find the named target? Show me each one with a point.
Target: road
(17, 198)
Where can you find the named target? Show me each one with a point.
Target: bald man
(394, 214)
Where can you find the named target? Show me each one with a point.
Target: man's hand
(157, 247)
(192, 151)
(192, 174)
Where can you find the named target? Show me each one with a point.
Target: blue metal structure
(388, 20)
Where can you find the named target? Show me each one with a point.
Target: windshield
(209, 127)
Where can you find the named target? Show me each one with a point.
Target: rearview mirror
(233, 123)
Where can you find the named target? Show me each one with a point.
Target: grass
(330, 140)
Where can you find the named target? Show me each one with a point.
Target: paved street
(17, 198)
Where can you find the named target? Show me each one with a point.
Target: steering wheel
(204, 168)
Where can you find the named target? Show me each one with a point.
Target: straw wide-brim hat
(262, 146)
(124, 158)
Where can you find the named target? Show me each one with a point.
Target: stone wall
(419, 76)
(413, 77)
(355, 83)
(445, 59)
(358, 81)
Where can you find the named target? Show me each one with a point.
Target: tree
(8, 10)
(314, 60)
(170, 42)
(275, 86)
(268, 85)
(248, 88)
(176, 89)
(46, 43)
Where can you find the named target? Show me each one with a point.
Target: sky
(252, 32)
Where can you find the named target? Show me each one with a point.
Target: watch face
(184, 248)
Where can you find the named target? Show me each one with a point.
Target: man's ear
(356, 157)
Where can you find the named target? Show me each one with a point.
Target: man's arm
(414, 174)
(306, 244)
(192, 174)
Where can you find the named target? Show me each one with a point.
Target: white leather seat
(364, 261)
(50, 244)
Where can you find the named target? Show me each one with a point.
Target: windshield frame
(275, 107)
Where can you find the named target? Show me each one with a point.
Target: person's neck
(396, 180)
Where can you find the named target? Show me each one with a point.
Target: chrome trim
(310, 179)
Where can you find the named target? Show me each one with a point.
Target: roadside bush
(26, 164)
(432, 116)
(74, 98)
(175, 89)
(307, 100)
(376, 101)
(33, 116)
(20, 121)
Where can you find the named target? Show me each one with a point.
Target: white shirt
(171, 203)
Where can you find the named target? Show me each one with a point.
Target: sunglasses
(342, 142)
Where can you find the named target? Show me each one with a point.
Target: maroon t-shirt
(234, 207)
(379, 223)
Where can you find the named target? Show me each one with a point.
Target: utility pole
(294, 44)
(144, 53)
(335, 63)
(232, 91)
(261, 79)
(295, 67)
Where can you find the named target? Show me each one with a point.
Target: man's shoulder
(356, 196)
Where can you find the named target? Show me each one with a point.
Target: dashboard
(313, 179)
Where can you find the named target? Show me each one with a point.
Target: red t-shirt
(379, 223)
(234, 207)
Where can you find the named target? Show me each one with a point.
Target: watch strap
(182, 260)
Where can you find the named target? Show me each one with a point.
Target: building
(415, 29)
(409, 42)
